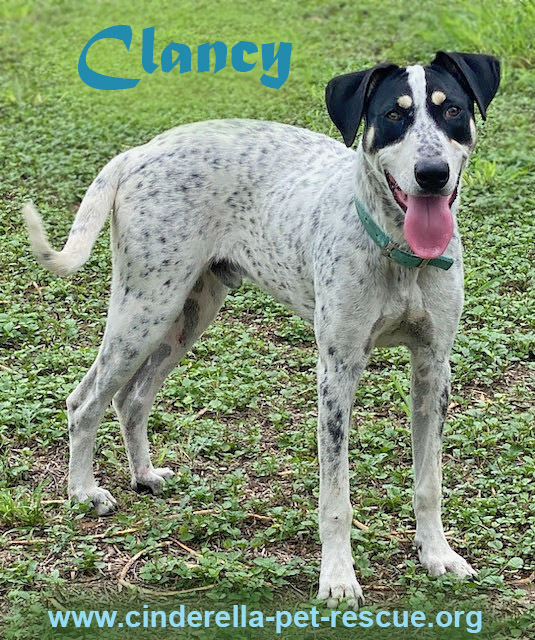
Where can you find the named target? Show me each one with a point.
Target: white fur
(370, 134)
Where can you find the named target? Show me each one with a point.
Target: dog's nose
(431, 175)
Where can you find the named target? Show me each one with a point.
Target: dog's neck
(376, 197)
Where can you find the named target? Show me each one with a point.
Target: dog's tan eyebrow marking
(405, 102)
(438, 97)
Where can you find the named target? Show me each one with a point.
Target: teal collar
(391, 250)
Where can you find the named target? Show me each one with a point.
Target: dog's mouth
(428, 225)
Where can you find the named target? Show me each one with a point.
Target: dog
(363, 243)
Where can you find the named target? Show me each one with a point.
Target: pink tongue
(428, 225)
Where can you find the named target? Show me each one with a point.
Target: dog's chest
(405, 317)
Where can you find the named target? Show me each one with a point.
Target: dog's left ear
(480, 75)
(347, 95)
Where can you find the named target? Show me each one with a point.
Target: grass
(236, 419)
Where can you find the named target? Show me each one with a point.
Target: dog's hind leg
(134, 401)
(139, 315)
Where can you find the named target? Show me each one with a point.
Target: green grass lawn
(236, 420)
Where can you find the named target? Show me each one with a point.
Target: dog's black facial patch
(390, 112)
(449, 105)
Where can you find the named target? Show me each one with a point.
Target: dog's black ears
(347, 96)
(479, 75)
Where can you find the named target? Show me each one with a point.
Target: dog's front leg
(337, 380)
(430, 392)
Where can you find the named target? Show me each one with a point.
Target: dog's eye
(393, 115)
(452, 112)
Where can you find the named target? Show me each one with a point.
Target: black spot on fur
(443, 407)
(199, 285)
(228, 273)
(336, 433)
(191, 316)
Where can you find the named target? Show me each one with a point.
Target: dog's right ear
(347, 96)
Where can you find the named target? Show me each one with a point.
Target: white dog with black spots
(361, 243)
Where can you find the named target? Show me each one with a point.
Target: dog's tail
(87, 224)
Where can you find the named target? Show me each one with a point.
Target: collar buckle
(386, 251)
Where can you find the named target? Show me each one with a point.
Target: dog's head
(419, 131)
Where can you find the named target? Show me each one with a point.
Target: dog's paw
(101, 499)
(440, 558)
(151, 481)
(338, 582)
